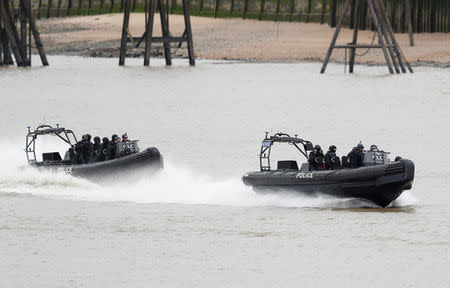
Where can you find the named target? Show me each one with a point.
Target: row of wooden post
(261, 11)
(425, 15)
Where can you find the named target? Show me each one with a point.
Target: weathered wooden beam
(89, 7)
(384, 22)
(216, 8)
(261, 9)
(69, 6)
(80, 3)
(165, 33)
(58, 7)
(333, 9)
(231, 8)
(39, 9)
(324, 10)
(291, 9)
(149, 32)
(49, 8)
(244, 11)
(101, 5)
(308, 10)
(380, 36)
(277, 10)
(187, 24)
(401, 58)
(123, 43)
(355, 36)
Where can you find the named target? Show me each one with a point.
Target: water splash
(172, 185)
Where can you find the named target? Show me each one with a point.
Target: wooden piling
(355, 36)
(277, 10)
(149, 32)
(58, 7)
(39, 9)
(101, 6)
(333, 8)
(291, 9)
(69, 6)
(324, 10)
(216, 8)
(89, 7)
(308, 10)
(49, 8)
(188, 30)
(231, 8)
(244, 11)
(123, 43)
(261, 9)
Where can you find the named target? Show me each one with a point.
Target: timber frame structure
(395, 60)
(148, 37)
(18, 41)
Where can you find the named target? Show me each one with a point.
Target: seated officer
(124, 137)
(315, 159)
(111, 151)
(356, 156)
(331, 160)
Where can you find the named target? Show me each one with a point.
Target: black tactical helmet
(332, 148)
(88, 137)
(97, 139)
(317, 147)
(360, 146)
(105, 139)
(373, 148)
(113, 137)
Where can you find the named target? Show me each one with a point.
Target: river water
(195, 224)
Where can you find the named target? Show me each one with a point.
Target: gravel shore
(232, 39)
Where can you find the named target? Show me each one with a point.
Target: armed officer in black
(331, 160)
(315, 159)
(356, 156)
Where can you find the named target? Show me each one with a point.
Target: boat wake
(172, 185)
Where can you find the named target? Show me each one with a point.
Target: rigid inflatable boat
(129, 160)
(379, 180)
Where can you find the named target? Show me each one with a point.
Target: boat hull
(380, 184)
(145, 163)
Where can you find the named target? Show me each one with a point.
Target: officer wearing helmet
(124, 137)
(111, 151)
(356, 156)
(331, 160)
(88, 149)
(315, 159)
(97, 149)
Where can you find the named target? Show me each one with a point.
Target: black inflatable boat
(380, 183)
(129, 160)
